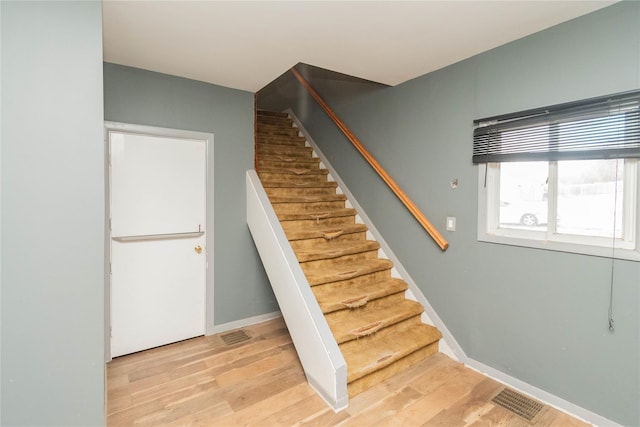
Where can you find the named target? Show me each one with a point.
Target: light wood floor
(260, 382)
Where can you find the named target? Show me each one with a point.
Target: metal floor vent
(235, 337)
(519, 404)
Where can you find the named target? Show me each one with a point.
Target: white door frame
(209, 283)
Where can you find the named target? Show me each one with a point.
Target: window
(563, 178)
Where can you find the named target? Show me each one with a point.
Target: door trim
(109, 126)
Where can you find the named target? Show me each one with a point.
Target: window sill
(599, 251)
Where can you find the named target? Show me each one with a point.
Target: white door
(158, 254)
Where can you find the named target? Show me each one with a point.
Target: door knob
(198, 249)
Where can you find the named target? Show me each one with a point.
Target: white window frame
(627, 247)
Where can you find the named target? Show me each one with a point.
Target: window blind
(597, 128)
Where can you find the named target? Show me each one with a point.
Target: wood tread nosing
(338, 296)
(336, 250)
(260, 112)
(382, 350)
(322, 232)
(367, 320)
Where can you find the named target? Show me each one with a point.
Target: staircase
(378, 330)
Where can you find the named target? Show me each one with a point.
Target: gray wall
(52, 197)
(539, 316)
(142, 97)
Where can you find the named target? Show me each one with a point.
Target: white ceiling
(245, 45)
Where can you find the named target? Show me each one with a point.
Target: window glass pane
(523, 195)
(590, 197)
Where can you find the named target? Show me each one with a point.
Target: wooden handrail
(419, 216)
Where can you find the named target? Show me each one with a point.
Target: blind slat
(601, 128)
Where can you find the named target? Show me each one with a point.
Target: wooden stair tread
(284, 149)
(308, 199)
(302, 164)
(273, 130)
(294, 171)
(286, 145)
(283, 158)
(271, 113)
(319, 232)
(336, 250)
(383, 350)
(317, 214)
(333, 296)
(302, 185)
(360, 322)
(281, 141)
(283, 125)
(281, 121)
(339, 272)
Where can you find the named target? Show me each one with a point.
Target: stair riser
(321, 242)
(391, 331)
(391, 310)
(291, 179)
(275, 130)
(372, 305)
(288, 164)
(368, 381)
(282, 124)
(306, 206)
(299, 191)
(388, 326)
(332, 297)
(285, 158)
(284, 150)
(324, 263)
(279, 121)
(269, 113)
(371, 277)
(398, 296)
(281, 140)
(302, 224)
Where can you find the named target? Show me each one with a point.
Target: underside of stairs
(378, 330)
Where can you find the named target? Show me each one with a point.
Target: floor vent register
(235, 337)
(519, 404)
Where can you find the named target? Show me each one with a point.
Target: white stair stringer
(319, 354)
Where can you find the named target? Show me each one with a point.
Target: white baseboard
(244, 322)
(541, 395)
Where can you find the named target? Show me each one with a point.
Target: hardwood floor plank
(291, 414)
(249, 349)
(384, 410)
(275, 381)
(325, 417)
(204, 382)
(251, 415)
(470, 407)
(131, 414)
(265, 363)
(184, 407)
(203, 417)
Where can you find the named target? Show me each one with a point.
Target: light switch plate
(451, 223)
